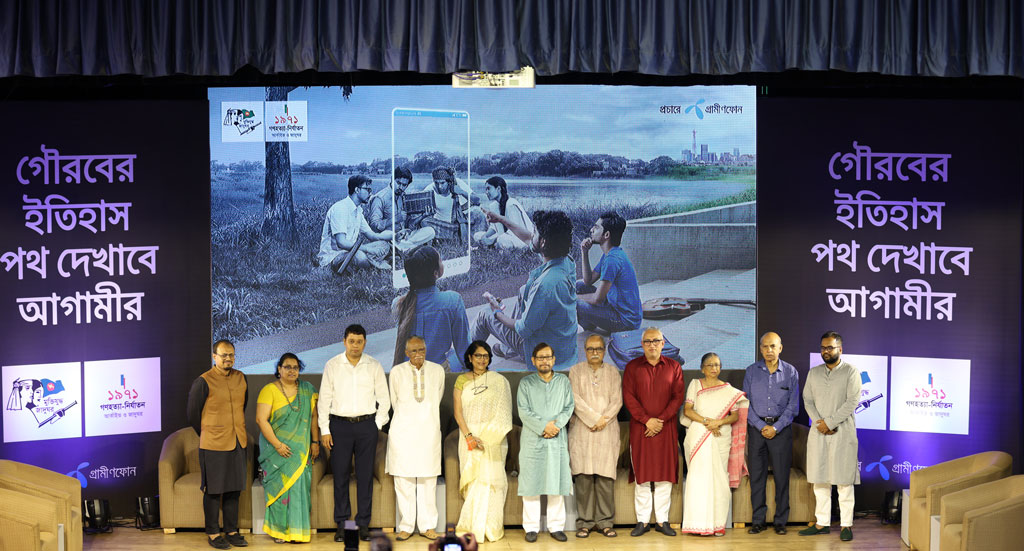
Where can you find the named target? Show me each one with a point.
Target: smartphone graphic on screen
(432, 147)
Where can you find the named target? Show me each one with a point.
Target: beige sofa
(801, 492)
(181, 500)
(625, 508)
(986, 516)
(929, 485)
(382, 514)
(453, 498)
(63, 493)
(625, 512)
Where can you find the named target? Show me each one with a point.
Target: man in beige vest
(216, 410)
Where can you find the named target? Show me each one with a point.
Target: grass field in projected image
(261, 287)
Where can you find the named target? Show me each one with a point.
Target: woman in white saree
(483, 410)
(715, 415)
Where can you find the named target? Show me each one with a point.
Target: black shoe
(664, 528)
(640, 529)
(757, 529)
(364, 533)
(531, 537)
(780, 529)
(813, 530)
(236, 540)
(559, 536)
(218, 542)
(846, 534)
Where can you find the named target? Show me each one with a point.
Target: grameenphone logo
(696, 109)
(883, 470)
(77, 473)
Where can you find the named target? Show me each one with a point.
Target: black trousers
(359, 440)
(779, 452)
(212, 504)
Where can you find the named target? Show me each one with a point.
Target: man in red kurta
(653, 391)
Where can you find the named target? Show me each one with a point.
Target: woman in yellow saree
(289, 436)
(483, 410)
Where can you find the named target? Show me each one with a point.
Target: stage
(867, 534)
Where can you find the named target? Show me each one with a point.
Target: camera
(449, 541)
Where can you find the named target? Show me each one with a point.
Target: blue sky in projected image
(617, 120)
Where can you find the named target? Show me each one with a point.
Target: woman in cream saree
(715, 414)
(483, 410)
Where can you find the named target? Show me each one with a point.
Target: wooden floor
(868, 534)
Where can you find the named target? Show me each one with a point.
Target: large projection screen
(677, 163)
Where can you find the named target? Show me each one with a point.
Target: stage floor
(868, 534)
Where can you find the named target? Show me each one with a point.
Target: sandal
(609, 532)
(582, 532)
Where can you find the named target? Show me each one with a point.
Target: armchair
(181, 501)
(63, 493)
(986, 516)
(929, 485)
(27, 522)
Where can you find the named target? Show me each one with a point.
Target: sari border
(304, 459)
(723, 414)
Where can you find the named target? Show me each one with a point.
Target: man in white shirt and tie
(354, 404)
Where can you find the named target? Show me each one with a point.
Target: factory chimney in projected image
(694, 148)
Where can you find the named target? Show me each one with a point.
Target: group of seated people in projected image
(359, 230)
(570, 440)
(411, 215)
(549, 307)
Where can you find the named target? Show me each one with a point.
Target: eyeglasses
(594, 348)
(544, 358)
(290, 367)
(649, 342)
(225, 356)
(366, 188)
(480, 356)
(829, 348)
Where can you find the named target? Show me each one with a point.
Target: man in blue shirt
(545, 310)
(441, 320)
(771, 386)
(608, 295)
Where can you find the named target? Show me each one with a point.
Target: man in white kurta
(594, 438)
(831, 394)
(414, 442)
(545, 405)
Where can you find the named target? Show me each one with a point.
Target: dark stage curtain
(152, 38)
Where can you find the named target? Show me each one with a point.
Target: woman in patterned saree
(483, 410)
(715, 417)
(289, 436)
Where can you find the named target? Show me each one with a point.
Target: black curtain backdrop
(947, 38)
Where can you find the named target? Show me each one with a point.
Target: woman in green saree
(286, 415)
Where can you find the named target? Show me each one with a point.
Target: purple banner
(104, 287)
(898, 224)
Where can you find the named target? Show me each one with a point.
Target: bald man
(772, 388)
(414, 441)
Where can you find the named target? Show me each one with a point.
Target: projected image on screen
(436, 212)
(438, 207)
